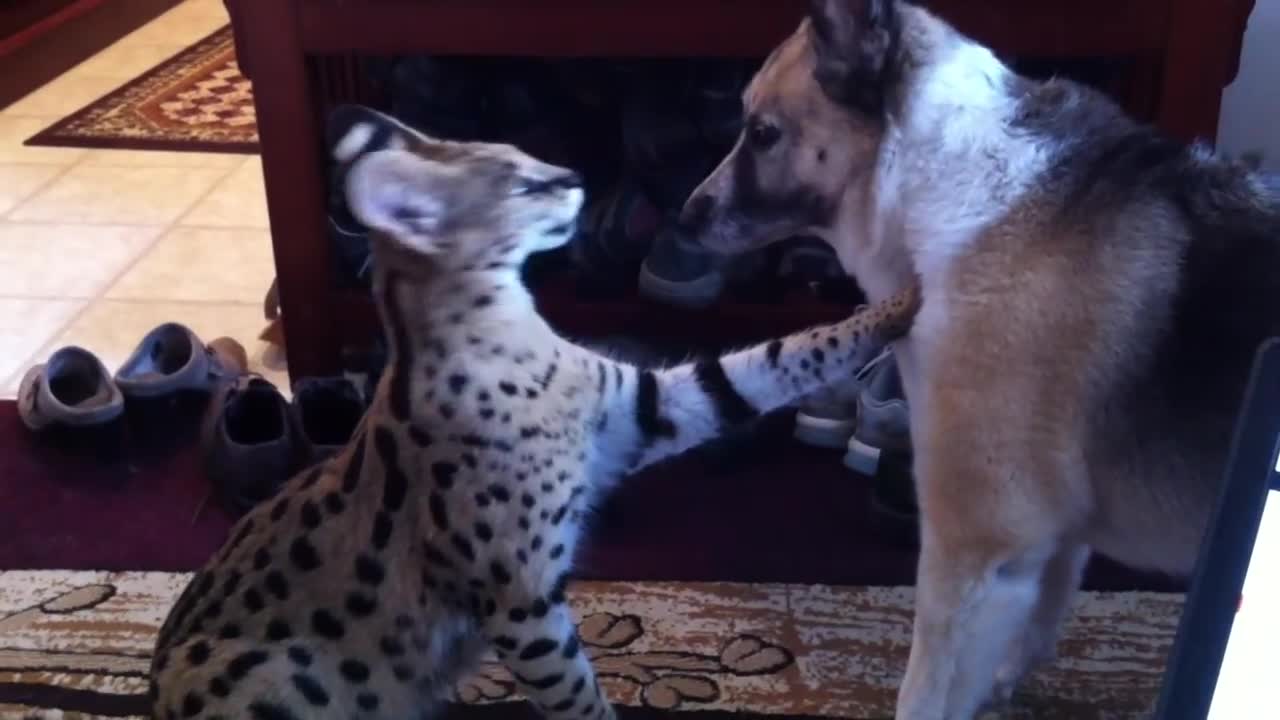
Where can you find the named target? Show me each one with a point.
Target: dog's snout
(696, 212)
(570, 180)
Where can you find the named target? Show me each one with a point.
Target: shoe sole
(861, 457)
(697, 293)
(823, 432)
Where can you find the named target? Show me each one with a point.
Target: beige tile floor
(99, 246)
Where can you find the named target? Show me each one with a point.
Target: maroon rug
(196, 101)
(759, 509)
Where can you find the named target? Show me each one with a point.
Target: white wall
(1250, 119)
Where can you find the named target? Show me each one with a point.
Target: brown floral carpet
(76, 645)
(197, 101)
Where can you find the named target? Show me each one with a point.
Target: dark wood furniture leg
(291, 161)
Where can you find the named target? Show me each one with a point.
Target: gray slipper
(172, 358)
(72, 389)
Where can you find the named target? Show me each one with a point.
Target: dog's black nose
(570, 180)
(696, 212)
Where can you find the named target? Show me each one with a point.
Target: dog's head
(816, 113)
(458, 203)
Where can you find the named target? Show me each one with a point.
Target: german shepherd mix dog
(1093, 296)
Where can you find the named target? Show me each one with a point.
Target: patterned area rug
(197, 101)
(76, 645)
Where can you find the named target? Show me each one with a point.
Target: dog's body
(1094, 295)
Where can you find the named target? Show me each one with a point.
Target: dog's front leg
(989, 535)
(1038, 645)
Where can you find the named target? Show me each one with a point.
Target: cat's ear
(854, 43)
(405, 196)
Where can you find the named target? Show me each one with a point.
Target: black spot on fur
(502, 642)
(543, 683)
(649, 420)
(192, 705)
(261, 558)
(198, 654)
(463, 546)
(557, 593)
(528, 500)
(354, 671)
(435, 557)
(219, 687)
(539, 648)
(395, 484)
(558, 517)
(539, 608)
(310, 515)
(457, 383)
(369, 571)
(367, 701)
(420, 437)
(253, 601)
(484, 533)
(326, 625)
(300, 656)
(439, 511)
(508, 388)
(381, 530)
(276, 584)
(548, 377)
(517, 615)
(303, 554)
(564, 704)
(772, 351)
(833, 342)
(500, 574)
(334, 503)
(730, 406)
(402, 672)
(360, 605)
(310, 689)
(230, 631)
(391, 647)
(444, 473)
(278, 630)
(475, 441)
(242, 664)
(486, 413)
(571, 647)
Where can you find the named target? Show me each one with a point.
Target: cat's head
(460, 204)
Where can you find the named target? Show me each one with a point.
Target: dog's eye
(762, 136)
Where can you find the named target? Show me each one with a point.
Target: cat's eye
(762, 135)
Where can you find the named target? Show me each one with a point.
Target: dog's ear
(406, 196)
(854, 43)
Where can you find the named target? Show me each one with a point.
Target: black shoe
(249, 444)
(326, 412)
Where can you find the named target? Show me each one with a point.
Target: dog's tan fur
(1093, 297)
